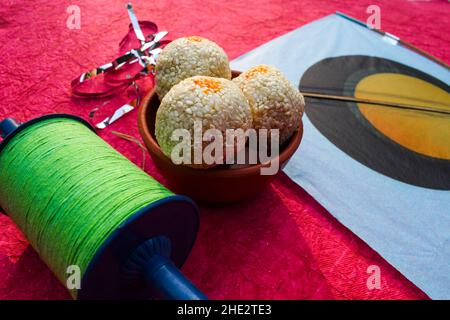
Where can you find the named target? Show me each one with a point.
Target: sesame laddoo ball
(188, 57)
(274, 102)
(215, 102)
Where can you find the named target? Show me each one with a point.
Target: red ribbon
(119, 77)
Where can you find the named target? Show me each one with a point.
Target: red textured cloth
(281, 244)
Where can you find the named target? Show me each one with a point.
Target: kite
(376, 146)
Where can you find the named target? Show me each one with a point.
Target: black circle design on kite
(345, 126)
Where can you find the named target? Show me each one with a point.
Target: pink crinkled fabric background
(280, 244)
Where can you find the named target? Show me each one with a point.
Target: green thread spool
(80, 202)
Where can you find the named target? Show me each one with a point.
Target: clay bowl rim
(151, 143)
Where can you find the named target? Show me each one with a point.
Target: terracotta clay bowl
(215, 185)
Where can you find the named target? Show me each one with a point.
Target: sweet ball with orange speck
(216, 102)
(187, 57)
(275, 103)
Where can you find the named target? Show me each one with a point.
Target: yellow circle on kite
(424, 132)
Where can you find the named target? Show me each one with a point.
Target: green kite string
(68, 190)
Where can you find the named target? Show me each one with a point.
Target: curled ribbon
(137, 59)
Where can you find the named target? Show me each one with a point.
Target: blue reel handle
(167, 282)
(150, 264)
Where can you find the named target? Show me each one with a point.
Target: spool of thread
(81, 203)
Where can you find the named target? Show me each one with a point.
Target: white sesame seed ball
(275, 103)
(187, 57)
(216, 102)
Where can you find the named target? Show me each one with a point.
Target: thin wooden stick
(375, 102)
